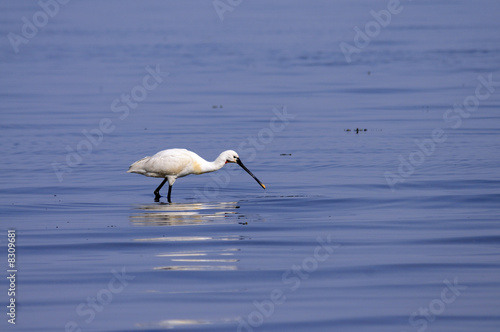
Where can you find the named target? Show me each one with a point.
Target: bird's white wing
(171, 162)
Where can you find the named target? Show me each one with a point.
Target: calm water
(368, 231)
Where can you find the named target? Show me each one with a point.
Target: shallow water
(330, 244)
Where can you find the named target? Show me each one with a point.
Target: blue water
(391, 228)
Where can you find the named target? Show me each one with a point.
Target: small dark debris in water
(285, 154)
(243, 223)
(369, 73)
(215, 106)
(357, 130)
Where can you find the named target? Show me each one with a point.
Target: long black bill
(238, 161)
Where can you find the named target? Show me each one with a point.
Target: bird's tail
(138, 166)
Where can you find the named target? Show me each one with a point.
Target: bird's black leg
(157, 191)
(169, 192)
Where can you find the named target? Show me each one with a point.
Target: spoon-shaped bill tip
(251, 174)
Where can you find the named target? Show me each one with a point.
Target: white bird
(176, 163)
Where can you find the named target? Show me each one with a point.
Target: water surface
(330, 244)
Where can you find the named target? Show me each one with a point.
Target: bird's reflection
(198, 253)
(184, 213)
(186, 323)
(202, 260)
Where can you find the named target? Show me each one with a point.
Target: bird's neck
(218, 163)
(212, 166)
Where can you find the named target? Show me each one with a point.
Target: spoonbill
(171, 164)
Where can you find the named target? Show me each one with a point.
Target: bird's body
(172, 164)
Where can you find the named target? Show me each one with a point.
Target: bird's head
(230, 156)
